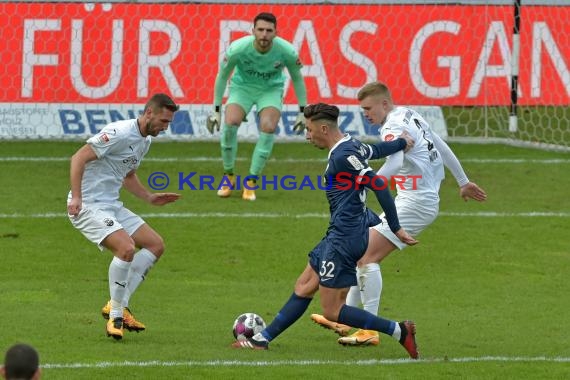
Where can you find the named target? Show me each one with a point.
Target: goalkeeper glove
(214, 120)
(299, 126)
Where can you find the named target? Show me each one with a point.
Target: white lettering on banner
(116, 63)
(452, 62)
(434, 68)
(160, 62)
(227, 27)
(145, 59)
(29, 59)
(495, 33)
(306, 32)
(541, 35)
(356, 57)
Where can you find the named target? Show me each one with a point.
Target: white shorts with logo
(97, 222)
(414, 217)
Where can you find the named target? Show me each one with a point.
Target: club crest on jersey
(277, 64)
(389, 137)
(131, 161)
(103, 138)
(355, 162)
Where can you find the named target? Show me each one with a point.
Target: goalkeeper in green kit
(258, 62)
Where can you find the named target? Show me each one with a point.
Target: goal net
(68, 68)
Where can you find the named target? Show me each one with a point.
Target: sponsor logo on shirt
(260, 75)
(355, 162)
(103, 138)
(131, 161)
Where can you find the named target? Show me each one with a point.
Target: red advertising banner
(429, 54)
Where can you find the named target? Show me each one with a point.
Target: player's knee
(157, 246)
(305, 289)
(233, 121)
(125, 252)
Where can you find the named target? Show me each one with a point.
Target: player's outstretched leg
(338, 328)
(404, 331)
(289, 313)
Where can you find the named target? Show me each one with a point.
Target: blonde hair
(373, 89)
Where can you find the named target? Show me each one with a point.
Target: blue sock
(289, 313)
(362, 319)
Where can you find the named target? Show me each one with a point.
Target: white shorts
(414, 217)
(98, 223)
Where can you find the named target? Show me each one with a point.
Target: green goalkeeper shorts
(247, 96)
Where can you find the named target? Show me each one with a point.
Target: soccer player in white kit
(417, 200)
(107, 162)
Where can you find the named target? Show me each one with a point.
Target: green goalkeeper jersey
(260, 70)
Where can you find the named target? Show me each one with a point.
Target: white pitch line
(297, 160)
(270, 215)
(240, 363)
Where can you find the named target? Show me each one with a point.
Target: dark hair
(21, 362)
(321, 111)
(269, 17)
(159, 101)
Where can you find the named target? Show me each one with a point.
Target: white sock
(397, 334)
(370, 282)
(142, 262)
(353, 296)
(118, 275)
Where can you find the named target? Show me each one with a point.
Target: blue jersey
(347, 176)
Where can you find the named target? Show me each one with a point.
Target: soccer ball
(247, 325)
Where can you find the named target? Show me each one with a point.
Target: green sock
(229, 145)
(261, 153)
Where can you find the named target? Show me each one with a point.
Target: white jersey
(423, 160)
(120, 148)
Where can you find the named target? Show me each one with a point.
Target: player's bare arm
(472, 191)
(135, 187)
(160, 199)
(77, 168)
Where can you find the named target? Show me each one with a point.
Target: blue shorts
(334, 259)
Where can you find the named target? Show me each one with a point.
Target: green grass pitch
(487, 285)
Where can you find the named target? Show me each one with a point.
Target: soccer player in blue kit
(332, 263)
